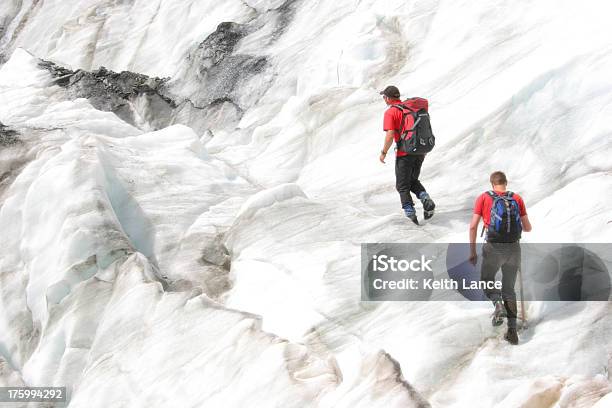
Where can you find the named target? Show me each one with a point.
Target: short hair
(498, 178)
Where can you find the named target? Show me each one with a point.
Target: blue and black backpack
(505, 222)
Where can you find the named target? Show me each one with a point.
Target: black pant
(407, 171)
(506, 256)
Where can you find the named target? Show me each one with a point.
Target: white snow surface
(171, 268)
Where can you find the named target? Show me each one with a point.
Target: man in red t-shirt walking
(407, 166)
(502, 249)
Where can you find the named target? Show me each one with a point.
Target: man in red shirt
(407, 166)
(502, 249)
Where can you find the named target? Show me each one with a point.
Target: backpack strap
(515, 204)
(493, 214)
(416, 122)
(507, 194)
(406, 110)
(403, 109)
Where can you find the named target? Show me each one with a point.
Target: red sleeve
(390, 120)
(479, 205)
(521, 204)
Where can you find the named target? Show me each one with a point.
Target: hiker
(408, 119)
(504, 217)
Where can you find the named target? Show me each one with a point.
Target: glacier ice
(183, 227)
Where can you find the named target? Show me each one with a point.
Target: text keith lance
(433, 284)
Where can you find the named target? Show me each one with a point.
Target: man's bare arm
(473, 231)
(526, 223)
(474, 228)
(388, 142)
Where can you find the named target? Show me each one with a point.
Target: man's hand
(382, 157)
(473, 258)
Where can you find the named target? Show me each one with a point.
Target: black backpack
(416, 136)
(505, 222)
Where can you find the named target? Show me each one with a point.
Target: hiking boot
(498, 314)
(511, 336)
(410, 213)
(413, 218)
(428, 205)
